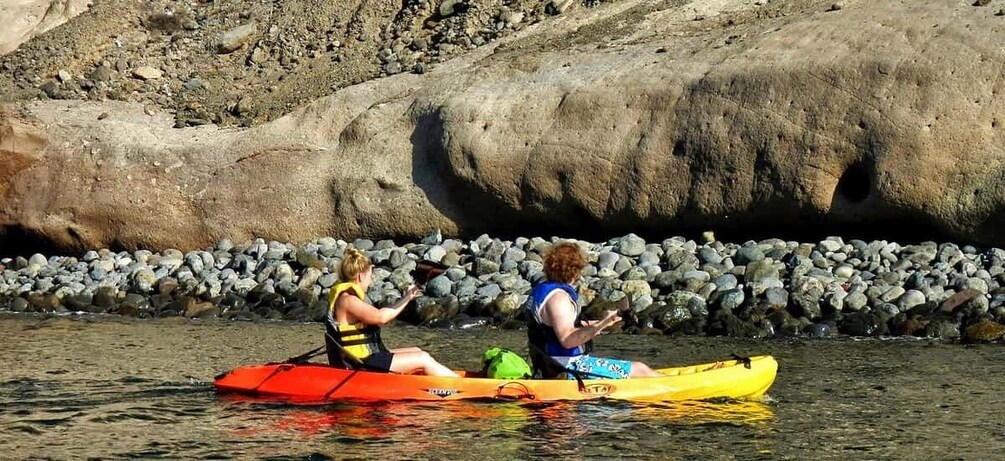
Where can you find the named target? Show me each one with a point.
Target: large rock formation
(24, 19)
(629, 116)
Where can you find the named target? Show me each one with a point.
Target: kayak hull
(734, 379)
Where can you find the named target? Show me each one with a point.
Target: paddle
(346, 356)
(426, 270)
(305, 357)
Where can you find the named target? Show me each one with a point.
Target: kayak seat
(544, 367)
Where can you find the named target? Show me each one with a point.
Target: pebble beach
(676, 286)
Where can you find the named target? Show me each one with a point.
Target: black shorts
(380, 361)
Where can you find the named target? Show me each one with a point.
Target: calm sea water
(106, 387)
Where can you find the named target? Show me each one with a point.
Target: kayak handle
(522, 391)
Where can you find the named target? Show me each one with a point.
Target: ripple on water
(832, 399)
(26, 429)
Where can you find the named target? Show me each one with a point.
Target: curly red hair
(564, 262)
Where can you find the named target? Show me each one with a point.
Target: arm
(370, 315)
(561, 312)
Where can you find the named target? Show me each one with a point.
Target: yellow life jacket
(359, 340)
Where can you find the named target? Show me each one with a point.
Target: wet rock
(19, 305)
(727, 324)
(984, 331)
(905, 326)
(201, 310)
(671, 317)
(820, 330)
(886, 311)
(862, 324)
(942, 328)
(48, 302)
(783, 322)
(79, 302)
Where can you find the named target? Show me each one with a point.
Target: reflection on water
(512, 430)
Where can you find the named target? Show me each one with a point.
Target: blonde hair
(354, 262)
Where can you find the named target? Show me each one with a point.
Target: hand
(612, 318)
(412, 292)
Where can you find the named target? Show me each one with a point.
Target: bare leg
(641, 370)
(402, 350)
(408, 362)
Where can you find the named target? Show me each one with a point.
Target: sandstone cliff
(24, 19)
(637, 115)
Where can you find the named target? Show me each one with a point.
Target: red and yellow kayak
(733, 379)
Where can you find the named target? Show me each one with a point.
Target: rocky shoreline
(677, 286)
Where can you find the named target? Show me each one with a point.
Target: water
(106, 387)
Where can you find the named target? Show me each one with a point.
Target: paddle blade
(426, 270)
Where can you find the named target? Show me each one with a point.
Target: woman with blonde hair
(353, 325)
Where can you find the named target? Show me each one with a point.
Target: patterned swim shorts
(607, 368)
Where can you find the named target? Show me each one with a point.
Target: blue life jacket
(543, 336)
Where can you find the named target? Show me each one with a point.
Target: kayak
(736, 379)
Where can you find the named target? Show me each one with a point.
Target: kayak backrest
(544, 367)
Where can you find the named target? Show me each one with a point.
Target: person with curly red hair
(560, 341)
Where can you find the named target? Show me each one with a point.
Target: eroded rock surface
(642, 116)
(24, 19)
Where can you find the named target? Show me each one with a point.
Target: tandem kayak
(738, 379)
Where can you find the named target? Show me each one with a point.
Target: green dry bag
(499, 363)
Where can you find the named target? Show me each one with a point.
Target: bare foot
(716, 366)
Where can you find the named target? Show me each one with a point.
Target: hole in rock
(855, 183)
